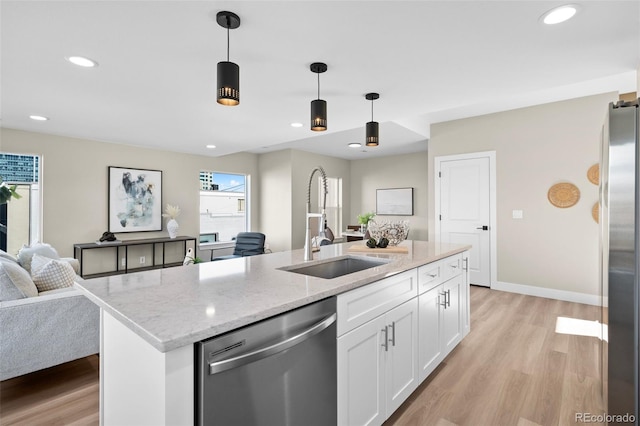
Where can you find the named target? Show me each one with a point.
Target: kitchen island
(150, 320)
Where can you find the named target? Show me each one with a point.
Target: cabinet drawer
(429, 276)
(363, 304)
(451, 267)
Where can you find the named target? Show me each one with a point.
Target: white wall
(536, 147)
(284, 178)
(399, 171)
(275, 199)
(75, 185)
(302, 165)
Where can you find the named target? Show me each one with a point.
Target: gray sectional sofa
(42, 330)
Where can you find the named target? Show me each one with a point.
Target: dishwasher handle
(227, 364)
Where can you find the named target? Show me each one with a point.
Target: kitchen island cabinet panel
(361, 375)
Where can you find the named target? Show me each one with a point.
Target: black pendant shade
(318, 115)
(372, 133)
(228, 72)
(318, 106)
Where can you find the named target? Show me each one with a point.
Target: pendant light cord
(318, 85)
(228, 25)
(371, 109)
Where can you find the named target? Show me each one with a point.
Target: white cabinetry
(443, 310)
(377, 354)
(393, 333)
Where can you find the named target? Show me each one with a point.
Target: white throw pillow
(15, 282)
(26, 253)
(51, 274)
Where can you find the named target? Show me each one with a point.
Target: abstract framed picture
(135, 200)
(394, 201)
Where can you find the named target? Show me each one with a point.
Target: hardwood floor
(512, 369)
(67, 394)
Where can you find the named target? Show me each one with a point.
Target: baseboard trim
(550, 293)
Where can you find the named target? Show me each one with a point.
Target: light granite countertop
(174, 307)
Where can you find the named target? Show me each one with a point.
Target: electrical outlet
(124, 262)
(142, 260)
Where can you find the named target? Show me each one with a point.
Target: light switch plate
(517, 214)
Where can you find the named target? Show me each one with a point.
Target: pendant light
(372, 137)
(319, 106)
(228, 72)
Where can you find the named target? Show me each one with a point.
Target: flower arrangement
(7, 191)
(171, 212)
(364, 218)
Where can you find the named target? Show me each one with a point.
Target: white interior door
(465, 205)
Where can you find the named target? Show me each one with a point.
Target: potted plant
(7, 191)
(363, 220)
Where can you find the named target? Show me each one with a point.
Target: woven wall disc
(593, 174)
(595, 212)
(563, 195)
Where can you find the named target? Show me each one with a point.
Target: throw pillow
(50, 274)
(15, 282)
(26, 253)
(7, 256)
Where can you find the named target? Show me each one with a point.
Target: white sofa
(50, 328)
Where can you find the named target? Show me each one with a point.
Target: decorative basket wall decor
(593, 174)
(595, 212)
(563, 195)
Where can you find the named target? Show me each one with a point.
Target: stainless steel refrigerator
(620, 219)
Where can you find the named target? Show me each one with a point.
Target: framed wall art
(135, 200)
(394, 201)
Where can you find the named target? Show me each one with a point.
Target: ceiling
(431, 61)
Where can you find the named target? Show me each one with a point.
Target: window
(223, 208)
(20, 218)
(334, 203)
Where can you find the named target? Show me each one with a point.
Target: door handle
(443, 294)
(393, 333)
(223, 365)
(483, 227)
(385, 330)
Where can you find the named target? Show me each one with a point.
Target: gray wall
(74, 183)
(537, 147)
(284, 177)
(398, 171)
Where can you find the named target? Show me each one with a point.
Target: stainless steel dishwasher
(278, 372)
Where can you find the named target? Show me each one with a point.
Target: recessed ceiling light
(81, 61)
(38, 117)
(354, 145)
(559, 14)
(296, 124)
(211, 146)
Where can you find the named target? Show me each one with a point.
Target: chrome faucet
(308, 249)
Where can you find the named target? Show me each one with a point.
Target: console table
(123, 246)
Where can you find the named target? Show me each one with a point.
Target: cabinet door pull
(465, 264)
(444, 294)
(393, 333)
(448, 299)
(385, 330)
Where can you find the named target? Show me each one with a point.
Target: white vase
(172, 228)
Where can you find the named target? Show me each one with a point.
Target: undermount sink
(336, 267)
